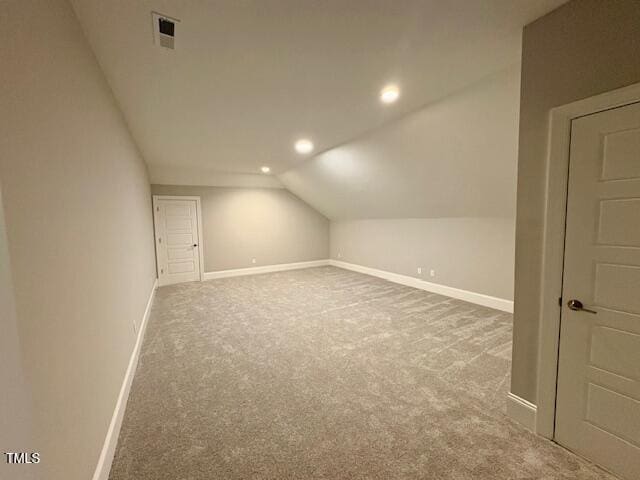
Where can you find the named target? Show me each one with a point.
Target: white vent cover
(164, 30)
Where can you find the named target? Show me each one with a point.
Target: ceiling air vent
(164, 30)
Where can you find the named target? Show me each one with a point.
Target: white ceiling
(248, 77)
(456, 158)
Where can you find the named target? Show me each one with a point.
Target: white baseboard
(264, 269)
(467, 296)
(521, 411)
(111, 440)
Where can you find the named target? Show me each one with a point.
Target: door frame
(155, 199)
(555, 209)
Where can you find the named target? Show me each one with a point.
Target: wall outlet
(253, 260)
(432, 273)
(419, 270)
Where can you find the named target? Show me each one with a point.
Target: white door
(177, 246)
(598, 396)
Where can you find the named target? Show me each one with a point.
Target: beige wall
(474, 254)
(584, 48)
(269, 224)
(79, 227)
(15, 401)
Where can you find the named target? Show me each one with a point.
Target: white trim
(200, 237)
(200, 231)
(521, 411)
(553, 242)
(467, 296)
(109, 447)
(473, 297)
(264, 269)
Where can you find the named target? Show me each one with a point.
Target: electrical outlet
(432, 273)
(253, 260)
(419, 270)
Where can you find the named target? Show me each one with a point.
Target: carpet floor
(324, 373)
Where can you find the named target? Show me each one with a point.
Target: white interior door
(598, 396)
(178, 248)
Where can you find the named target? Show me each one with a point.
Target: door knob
(195, 244)
(576, 305)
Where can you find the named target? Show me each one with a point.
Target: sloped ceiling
(248, 77)
(456, 158)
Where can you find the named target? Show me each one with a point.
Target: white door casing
(598, 389)
(178, 232)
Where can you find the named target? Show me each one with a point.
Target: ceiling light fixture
(389, 94)
(265, 169)
(304, 146)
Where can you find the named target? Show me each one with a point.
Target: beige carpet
(326, 374)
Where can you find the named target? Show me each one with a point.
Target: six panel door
(598, 396)
(177, 248)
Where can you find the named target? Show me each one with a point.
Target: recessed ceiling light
(389, 94)
(304, 146)
(265, 169)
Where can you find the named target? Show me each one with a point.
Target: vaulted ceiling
(249, 77)
(456, 158)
